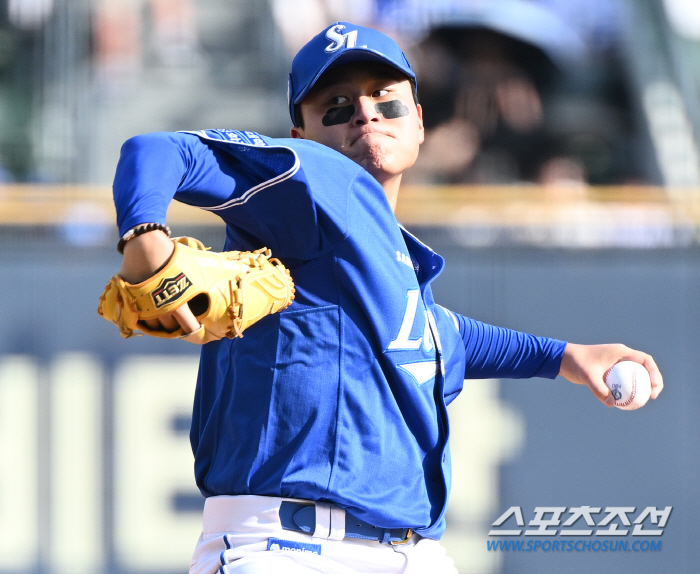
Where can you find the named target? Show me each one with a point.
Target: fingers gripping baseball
(588, 364)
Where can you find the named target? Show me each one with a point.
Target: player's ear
(297, 133)
(421, 129)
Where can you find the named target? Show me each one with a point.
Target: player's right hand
(144, 256)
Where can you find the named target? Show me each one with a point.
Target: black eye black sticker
(392, 109)
(336, 116)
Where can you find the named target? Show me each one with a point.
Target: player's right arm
(157, 167)
(144, 256)
(152, 170)
(255, 184)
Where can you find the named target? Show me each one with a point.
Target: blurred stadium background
(560, 177)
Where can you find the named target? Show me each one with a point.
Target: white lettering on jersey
(428, 344)
(405, 259)
(337, 39)
(402, 341)
(423, 372)
(433, 329)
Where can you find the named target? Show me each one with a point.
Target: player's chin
(371, 157)
(388, 165)
(378, 167)
(382, 161)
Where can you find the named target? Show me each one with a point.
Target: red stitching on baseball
(633, 393)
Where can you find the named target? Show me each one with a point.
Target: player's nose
(365, 112)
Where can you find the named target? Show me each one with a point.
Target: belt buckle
(409, 533)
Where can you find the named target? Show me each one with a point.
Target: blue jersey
(341, 397)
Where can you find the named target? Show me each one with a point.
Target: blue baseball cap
(341, 43)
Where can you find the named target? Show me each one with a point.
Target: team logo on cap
(338, 39)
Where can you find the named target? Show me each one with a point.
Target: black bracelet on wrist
(140, 230)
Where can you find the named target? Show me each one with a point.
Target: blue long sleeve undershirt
(495, 352)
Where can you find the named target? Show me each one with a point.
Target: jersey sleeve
(257, 185)
(156, 168)
(495, 352)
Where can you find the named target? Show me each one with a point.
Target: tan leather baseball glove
(227, 292)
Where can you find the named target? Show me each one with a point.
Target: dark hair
(300, 118)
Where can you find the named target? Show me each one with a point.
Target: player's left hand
(587, 365)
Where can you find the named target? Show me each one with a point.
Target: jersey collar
(430, 264)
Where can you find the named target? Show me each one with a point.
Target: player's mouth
(368, 134)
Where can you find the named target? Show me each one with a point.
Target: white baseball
(630, 385)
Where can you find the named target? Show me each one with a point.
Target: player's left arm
(587, 365)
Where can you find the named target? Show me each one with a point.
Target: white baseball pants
(242, 535)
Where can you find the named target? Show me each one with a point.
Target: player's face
(365, 111)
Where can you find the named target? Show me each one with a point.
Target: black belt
(301, 517)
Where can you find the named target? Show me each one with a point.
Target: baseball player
(321, 438)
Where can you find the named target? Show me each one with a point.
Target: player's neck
(391, 188)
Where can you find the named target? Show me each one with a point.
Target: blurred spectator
(489, 96)
(174, 40)
(531, 91)
(299, 20)
(117, 40)
(120, 25)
